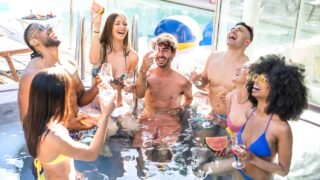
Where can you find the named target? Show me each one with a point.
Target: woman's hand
(96, 13)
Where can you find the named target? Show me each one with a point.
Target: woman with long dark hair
(46, 135)
(112, 47)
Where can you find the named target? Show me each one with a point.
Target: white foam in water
(15, 162)
(9, 174)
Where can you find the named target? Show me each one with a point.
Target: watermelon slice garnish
(217, 143)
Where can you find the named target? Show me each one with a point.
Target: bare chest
(221, 75)
(167, 88)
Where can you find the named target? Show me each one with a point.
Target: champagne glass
(106, 71)
(237, 148)
(196, 73)
(106, 77)
(204, 109)
(128, 82)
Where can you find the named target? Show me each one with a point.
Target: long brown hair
(106, 37)
(48, 101)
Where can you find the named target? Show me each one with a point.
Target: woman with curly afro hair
(278, 94)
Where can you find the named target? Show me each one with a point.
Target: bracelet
(96, 31)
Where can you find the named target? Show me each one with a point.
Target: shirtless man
(221, 67)
(44, 44)
(165, 93)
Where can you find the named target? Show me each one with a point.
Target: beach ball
(185, 29)
(207, 34)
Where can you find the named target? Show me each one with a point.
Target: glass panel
(276, 27)
(308, 46)
(231, 13)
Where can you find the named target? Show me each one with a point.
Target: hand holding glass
(128, 82)
(236, 149)
(204, 109)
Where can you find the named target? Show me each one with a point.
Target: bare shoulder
(133, 54)
(280, 127)
(214, 57)
(133, 58)
(58, 133)
(182, 79)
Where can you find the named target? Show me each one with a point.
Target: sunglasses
(42, 27)
(260, 78)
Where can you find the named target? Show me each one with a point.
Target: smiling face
(44, 35)
(164, 56)
(238, 36)
(120, 27)
(241, 74)
(261, 87)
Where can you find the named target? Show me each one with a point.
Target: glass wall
(289, 27)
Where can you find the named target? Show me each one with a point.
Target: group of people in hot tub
(254, 100)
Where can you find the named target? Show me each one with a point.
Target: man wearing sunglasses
(44, 44)
(221, 67)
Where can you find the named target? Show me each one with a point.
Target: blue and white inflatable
(186, 30)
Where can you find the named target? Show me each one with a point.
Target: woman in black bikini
(112, 47)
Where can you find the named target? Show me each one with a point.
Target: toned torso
(164, 93)
(220, 70)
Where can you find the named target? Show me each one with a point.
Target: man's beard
(52, 43)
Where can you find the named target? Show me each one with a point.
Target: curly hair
(288, 92)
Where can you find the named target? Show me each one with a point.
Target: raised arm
(141, 84)
(79, 151)
(84, 97)
(200, 77)
(95, 46)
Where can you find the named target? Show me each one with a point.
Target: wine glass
(198, 69)
(204, 109)
(106, 77)
(106, 71)
(128, 82)
(237, 148)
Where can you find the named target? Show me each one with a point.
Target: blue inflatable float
(207, 35)
(186, 30)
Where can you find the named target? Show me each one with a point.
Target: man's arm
(141, 84)
(84, 97)
(203, 76)
(187, 94)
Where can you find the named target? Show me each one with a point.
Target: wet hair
(106, 37)
(288, 92)
(48, 101)
(249, 28)
(26, 37)
(167, 40)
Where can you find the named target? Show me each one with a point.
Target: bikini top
(259, 147)
(37, 164)
(233, 128)
(95, 71)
